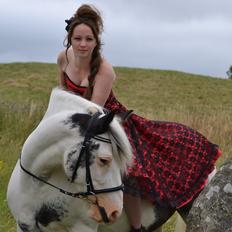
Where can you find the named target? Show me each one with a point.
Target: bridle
(90, 190)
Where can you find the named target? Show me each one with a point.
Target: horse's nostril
(106, 211)
(114, 215)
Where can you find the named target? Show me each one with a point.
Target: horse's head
(80, 157)
(97, 161)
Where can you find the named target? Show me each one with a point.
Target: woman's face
(83, 41)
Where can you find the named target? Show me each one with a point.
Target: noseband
(90, 190)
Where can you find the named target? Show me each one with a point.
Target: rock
(212, 210)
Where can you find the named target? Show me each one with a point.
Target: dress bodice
(111, 104)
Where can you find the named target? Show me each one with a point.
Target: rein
(91, 191)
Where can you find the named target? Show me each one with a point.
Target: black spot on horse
(90, 125)
(49, 213)
(78, 120)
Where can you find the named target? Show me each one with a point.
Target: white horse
(69, 175)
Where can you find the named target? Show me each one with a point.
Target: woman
(171, 161)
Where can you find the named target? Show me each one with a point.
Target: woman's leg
(133, 209)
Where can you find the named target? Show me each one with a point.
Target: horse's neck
(62, 100)
(48, 141)
(46, 144)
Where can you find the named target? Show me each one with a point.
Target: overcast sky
(193, 36)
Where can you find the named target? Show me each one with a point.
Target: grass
(201, 102)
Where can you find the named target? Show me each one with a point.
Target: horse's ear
(108, 117)
(101, 124)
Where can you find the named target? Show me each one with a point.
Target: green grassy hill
(201, 102)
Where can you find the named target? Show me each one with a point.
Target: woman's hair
(90, 16)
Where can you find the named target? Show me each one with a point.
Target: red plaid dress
(171, 161)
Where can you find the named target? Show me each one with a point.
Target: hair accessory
(68, 21)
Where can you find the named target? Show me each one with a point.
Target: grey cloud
(192, 36)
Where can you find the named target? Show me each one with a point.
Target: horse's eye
(94, 146)
(103, 161)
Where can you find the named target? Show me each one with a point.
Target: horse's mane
(61, 100)
(121, 147)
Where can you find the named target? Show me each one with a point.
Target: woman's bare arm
(61, 63)
(103, 83)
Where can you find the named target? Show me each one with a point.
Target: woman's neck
(82, 64)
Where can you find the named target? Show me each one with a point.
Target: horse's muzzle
(112, 210)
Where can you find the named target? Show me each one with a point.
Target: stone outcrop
(212, 210)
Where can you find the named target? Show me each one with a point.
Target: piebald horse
(68, 176)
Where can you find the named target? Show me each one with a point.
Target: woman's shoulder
(63, 57)
(106, 69)
(62, 60)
